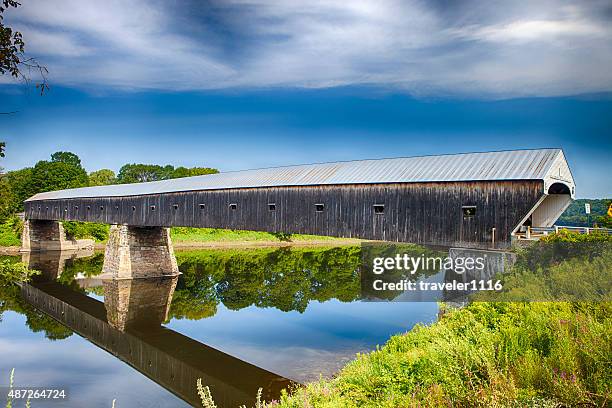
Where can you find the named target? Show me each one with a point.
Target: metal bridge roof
(502, 165)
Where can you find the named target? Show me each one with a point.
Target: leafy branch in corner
(13, 60)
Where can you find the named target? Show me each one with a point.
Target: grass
(10, 234)
(497, 354)
(185, 234)
(487, 354)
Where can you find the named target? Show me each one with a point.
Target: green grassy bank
(10, 234)
(497, 354)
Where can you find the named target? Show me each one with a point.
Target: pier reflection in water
(128, 324)
(248, 315)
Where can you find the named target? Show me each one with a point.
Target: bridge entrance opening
(546, 212)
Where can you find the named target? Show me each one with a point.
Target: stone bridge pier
(139, 252)
(44, 235)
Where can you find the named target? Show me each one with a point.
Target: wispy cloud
(478, 48)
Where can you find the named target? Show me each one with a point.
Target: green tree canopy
(140, 173)
(66, 157)
(193, 171)
(102, 177)
(19, 187)
(58, 175)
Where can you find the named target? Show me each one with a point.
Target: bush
(80, 230)
(10, 231)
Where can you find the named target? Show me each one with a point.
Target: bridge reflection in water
(128, 324)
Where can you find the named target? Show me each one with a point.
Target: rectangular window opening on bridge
(319, 207)
(469, 211)
(202, 206)
(379, 208)
(272, 206)
(233, 206)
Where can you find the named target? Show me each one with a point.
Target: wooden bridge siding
(418, 212)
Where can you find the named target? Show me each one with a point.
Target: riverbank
(497, 354)
(182, 237)
(191, 245)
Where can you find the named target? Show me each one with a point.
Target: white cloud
(487, 50)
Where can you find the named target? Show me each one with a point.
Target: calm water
(239, 319)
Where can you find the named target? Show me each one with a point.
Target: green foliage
(574, 215)
(139, 173)
(282, 236)
(102, 177)
(193, 171)
(563, 245)
(11, 273)
(49, 176)
(18, 187)
(14, 272)
(501, 354)
(10, 231)
(287, 279)
(188, 234)
(81, 230)
(66, 157)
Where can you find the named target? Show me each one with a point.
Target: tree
(49, 176)
(66, 157)
(193, 171)
(12, 52)
(102, 177)
(19, 183)
(140, 173)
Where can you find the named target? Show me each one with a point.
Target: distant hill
(575, 216)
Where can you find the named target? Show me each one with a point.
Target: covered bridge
(469, 200)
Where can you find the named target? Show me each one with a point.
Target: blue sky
(250, 83)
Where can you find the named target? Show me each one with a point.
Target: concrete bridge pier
(139, 252)
(46, 235)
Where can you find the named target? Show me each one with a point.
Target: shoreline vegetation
(545, 354)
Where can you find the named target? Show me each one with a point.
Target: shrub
(80, 230)
(10, 231)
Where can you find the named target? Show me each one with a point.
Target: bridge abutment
(46, 235)
(139, 252)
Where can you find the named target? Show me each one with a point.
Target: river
(238, 319)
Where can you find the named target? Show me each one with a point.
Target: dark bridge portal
(468, 200)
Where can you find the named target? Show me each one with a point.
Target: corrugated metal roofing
(503, 165)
